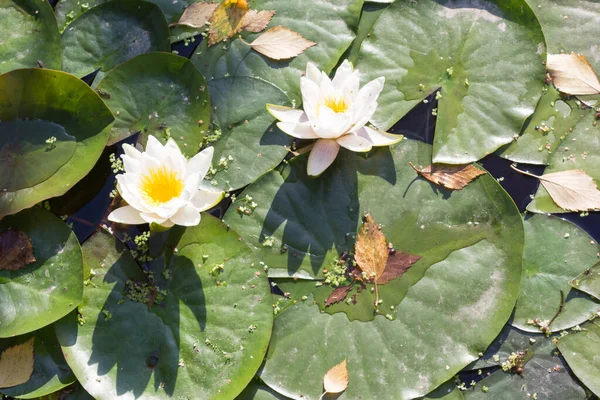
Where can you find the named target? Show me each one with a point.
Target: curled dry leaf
(573, 74)
(398, 263)
(336, 379)
(226, 20)
(257, 21)
(280, 43)
(454, 177)
(338, 295)
(197, 14)
(572, 190)
(16, 250)
(16, 364)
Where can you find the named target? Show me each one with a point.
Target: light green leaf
(203, 337)
(487, 59)
(29, 35)
(588, 281)
(555, 252)
(46, 290)
(48, 118)
(112, 33)
(158, 94)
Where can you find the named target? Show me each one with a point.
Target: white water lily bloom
(161, 186)
(335, 113)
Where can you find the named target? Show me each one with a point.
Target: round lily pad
(544, 373)
(433, 320)
(556, 251)
(158, 94)
(486, 58)
(47, 287)
(29, 35)
(50, 370)
(250, 143)
(198, 329)
(581, 350)
(49, 118)
(580, 150)
(112, 33)
(331, 25)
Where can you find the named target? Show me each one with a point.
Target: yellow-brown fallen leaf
(16, 250)
(257, 21)
(336, 379)
(16, 364)
(196, 15)
(454, 177)
(226, 20)
(572, 190)
(573, 74)
(280, 43)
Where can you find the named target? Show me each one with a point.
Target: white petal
(154, 148)
(186, 216)
(132, 151)
(167, 210)
(173, 157)
(332, 125)
(200, 163)
(343, 72)
(313, 73)
(132, 165)
(153, 218)
(365, 104)
(300, 131)
(377, 137)
(326, 88)
(126, 215)
(203, 200)
(287, 114)
(128, 186)
(322, 156)
(350, 87)
(310, 97)
(355, 143)
(192, 183)
(149, 163)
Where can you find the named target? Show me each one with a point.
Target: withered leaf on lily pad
(454, 177)
(336, 379)
(338, 295)
(197, 14)
(226, 20)
(280, 43)
(398, 263)
(16, 364)
(16, 250)
(257, 21)
(573, 74)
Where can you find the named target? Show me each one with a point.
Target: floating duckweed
(116, 164)
(248, 205)
(438, 95)
(217, 269)
(336, 274)
(252, 328)
(107, 314)
(450, 71)
(485, 389)
(434, 112)
(268, 241)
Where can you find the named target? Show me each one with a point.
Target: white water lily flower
(161, 186)
(335, 113)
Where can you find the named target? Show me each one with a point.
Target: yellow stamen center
(161, 185)
(337, 104)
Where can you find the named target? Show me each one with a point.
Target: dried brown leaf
(572, 190)
(16, 250)
(338, 294)
(226, 20)
(371, 249)
(336, 379)
(196, 15)
(280, 43)
(454, 177)
(16, 364)
(398, 263)
(573, 74)
(257, 21)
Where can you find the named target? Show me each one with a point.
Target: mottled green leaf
(581, 350)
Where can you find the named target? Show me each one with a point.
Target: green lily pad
(112, 33)
(589, 281)
(250, 142)
(158, 94)
(570, 25)
(331, 24)
(544, 373)
(47, 289)
(556, 251)
(486, 57)
(553, 121)
(446, 309)
(255, 391)
(29, 35)
(50, 370)
(581, 150)
(581, 350)
(369, 15)
(49, 118)
(204, 336)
